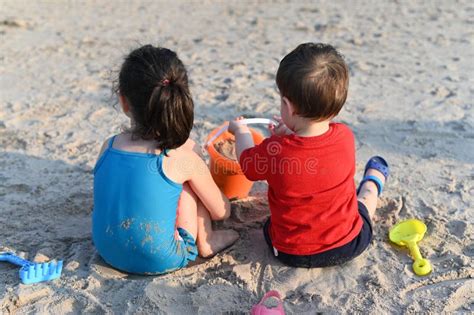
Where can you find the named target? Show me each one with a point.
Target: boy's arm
(281, 129)
(243, 141)
(243, 137)
(254, 162)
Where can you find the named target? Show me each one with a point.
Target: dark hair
(315, 78)
(155, 83)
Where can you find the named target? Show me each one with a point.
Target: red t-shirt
(311, 189)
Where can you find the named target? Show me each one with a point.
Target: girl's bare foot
(216, 242)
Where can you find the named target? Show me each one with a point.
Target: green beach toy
(408, 233)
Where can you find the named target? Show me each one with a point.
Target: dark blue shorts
(332, 257)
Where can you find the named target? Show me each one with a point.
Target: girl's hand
(235, 127)
(281, 129)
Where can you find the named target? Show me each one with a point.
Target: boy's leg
(194, 218)
(368, 193)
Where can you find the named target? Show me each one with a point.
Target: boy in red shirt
(317, 218)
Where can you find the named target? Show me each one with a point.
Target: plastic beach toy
(32, 272)
(261, 309)
(408, 233)
(227, 173)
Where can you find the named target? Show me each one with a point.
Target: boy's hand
(243, 136)
(235, 127)
(281, 129)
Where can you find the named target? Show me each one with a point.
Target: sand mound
(226, 148)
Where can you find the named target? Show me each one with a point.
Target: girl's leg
(368, 193)
(194, 218)
(187, 211)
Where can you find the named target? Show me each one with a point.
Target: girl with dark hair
(154, 197)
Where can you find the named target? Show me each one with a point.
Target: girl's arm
(185, 165)
(206, 189)
(102, 149)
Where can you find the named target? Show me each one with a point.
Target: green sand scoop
(408, 233)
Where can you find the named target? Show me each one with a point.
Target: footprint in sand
(457, 228)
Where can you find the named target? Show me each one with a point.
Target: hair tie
(165, 82)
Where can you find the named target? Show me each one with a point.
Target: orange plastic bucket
(227, 173)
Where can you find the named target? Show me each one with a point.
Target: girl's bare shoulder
(185, 162)
(190, 148)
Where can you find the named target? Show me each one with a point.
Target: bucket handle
(248, 121)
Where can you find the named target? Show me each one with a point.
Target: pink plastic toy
(261, 309)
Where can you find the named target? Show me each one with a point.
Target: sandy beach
(410, 100)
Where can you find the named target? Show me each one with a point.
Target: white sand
(411, 97)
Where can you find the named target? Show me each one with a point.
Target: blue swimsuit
(134, 218)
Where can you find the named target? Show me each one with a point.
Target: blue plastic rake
(32, 272)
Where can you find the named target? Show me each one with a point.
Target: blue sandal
(377, 163)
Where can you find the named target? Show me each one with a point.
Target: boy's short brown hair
(315, 78)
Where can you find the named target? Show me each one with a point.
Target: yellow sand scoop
(408, 233)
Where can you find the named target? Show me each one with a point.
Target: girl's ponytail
(170, 113)
(155, 83)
